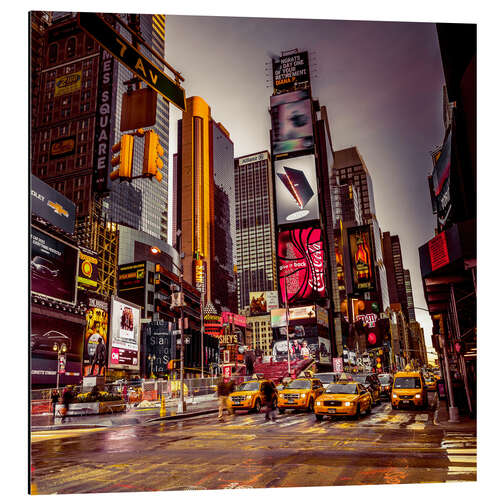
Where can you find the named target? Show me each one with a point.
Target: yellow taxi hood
(293, 391)
(243, 393)
(337, 397)
(407, 392)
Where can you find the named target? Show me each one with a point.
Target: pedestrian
(125, 393)
(268, 391)
(54, 397)
(224, 388)
(296, 349)
(304, 352)
(67, 397)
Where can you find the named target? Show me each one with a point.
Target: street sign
(130, 57)
(61, 366)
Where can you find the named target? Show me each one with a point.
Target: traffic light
(124, 159)
(152, 152)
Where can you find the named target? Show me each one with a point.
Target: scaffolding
(96, 233)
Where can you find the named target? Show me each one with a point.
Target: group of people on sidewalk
(67, 397)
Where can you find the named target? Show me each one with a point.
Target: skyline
(380, 81)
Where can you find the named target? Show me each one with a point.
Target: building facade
(255, 232)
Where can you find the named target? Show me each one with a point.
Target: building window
(71, 47)
(53, 53)
(89, 44)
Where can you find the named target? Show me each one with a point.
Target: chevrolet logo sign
(58, 209)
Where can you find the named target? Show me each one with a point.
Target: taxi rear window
(407, 383)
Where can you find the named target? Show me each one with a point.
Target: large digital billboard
(290, 70)
(361, 256)
(96, 327)
(124, 346)
(54, 267)
(441, 182)
(292, 126)
(301, 259)
(296, 190)
(47, 331)
(88, 271)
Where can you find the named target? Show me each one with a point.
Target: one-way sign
(130, 57)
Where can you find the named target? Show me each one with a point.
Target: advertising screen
(316, 347)
(96, 327)
(47, 331)
(263, 302)
(301, 265)
(361, 256)
(54, 267)
(292, 128)
(88, 272)
(296, 190)
(290, 70)
(441, 182)
(52, 206)
(124, 345)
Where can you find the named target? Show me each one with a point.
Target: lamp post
(287, 323)
(60, 349)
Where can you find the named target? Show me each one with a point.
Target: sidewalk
(441, 417)
(135, 415)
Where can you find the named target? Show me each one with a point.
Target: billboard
(292, 125)
(54, 267)
(301, 263)
(296, 190)
(88, 272)
(45, 332)
(290, 70)
(131, 276)
(441, 182)
(124, 345)
(96, 327)
(52, 206)
(63, 147)
(361, 257)
(319, 349)
(263, 302)
(68, 84)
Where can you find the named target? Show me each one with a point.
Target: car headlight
(249, 397)
(394, 396)
(318, 403)
(347, 403)
(417, 396)
(303, 396)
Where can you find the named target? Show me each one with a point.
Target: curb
(39, 428)
(183, 415)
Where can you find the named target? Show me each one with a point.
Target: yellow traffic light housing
(152, 163)
(124, 159)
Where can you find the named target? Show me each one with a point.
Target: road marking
(463, 451)
(462, 458)
(456, 469)
(423, 418)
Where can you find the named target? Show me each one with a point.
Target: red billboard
(301, 260)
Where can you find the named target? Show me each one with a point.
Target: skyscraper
(255, 233)
(204, 149)
(409, 295)
(349, 168)
(143, 203)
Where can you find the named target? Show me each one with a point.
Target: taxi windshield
(249, 386)
(385, 378)
(299, 384)
(407, 383)
(341, 389)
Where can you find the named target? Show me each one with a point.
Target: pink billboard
(237, 319)
(301, 264)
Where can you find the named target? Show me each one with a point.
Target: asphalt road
(386, 447)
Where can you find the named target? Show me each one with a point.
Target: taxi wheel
(257, 406)
(310, 408)
(281, 411)
(358, 412)
(394, 407)
(319, 418)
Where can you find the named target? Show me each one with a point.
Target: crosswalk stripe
(461, 451)
(461, 458)
(456, 468)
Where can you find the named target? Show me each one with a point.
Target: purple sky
(380, 81)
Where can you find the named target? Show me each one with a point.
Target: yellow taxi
(300, 393)
(343, 398)
(250, 396)
(430, 383)
(408, 389)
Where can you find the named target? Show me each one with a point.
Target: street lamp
(61, 350)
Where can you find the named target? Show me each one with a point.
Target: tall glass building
(255, 234)
(143, 203)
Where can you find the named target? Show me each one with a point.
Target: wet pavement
(387, 447)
